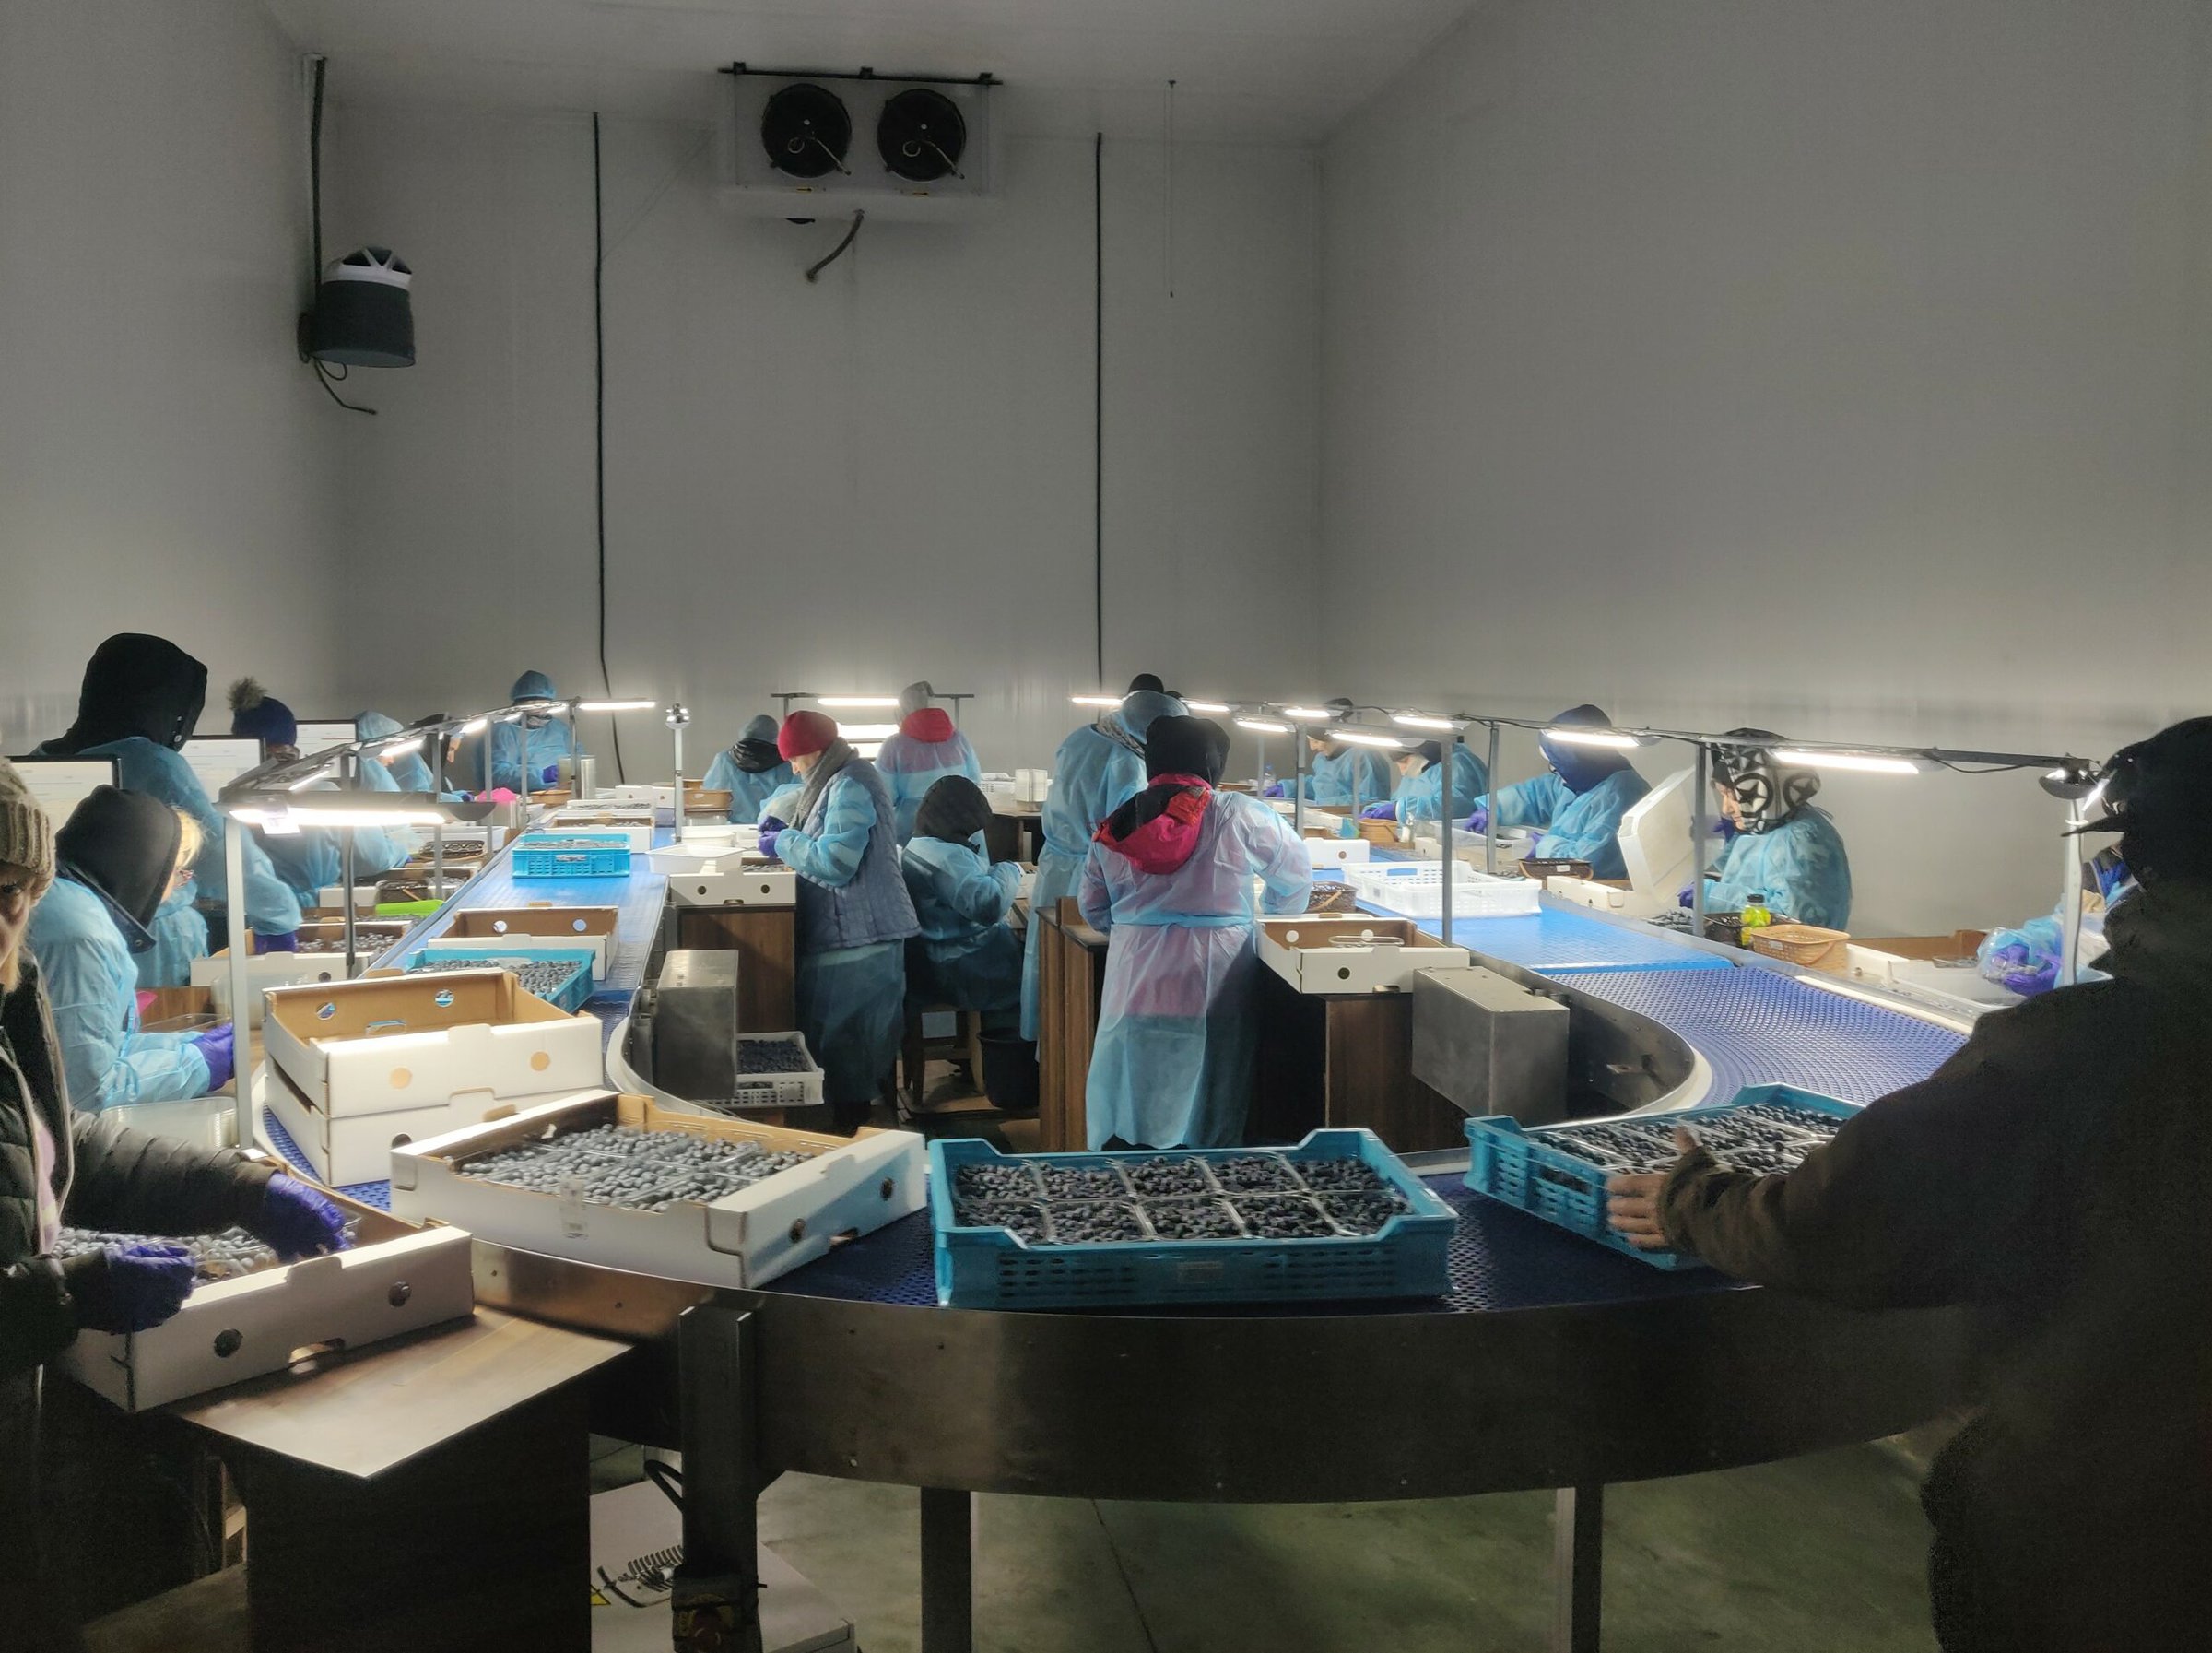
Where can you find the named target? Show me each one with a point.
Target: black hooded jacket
(123, 844)
(136, 685)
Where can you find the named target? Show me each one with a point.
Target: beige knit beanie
(26, 835)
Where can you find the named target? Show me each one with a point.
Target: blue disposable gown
(1093, 775)
(969, 956)
(1576, 826)
(1178, 1026)
(783, 802)
(909, 767)
(851, 1000)
(1799, 865)
(1416, 797)
(79, 941)
(313, 858)
(546, 747)
(749, 789)
(1351, 774)
(180, 933)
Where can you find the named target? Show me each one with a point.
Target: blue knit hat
(260, 716)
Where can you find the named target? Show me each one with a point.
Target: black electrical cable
(606, 679)
(815, 268)
(1098, 397)
(314, 203)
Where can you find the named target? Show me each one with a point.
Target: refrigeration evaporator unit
(804, 145)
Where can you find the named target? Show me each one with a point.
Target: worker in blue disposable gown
(925, 750)
(854, 915)
(1095, 771)
(313, 858)
(526, 754)
(752, 772)
(118, 854)
(1782, 847)
(1169, 879)
(140, 701)
(1341, 774)
(393, 769)
(966, 955)
(1577, 808)
(1421, 784)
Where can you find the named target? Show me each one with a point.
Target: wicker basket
(1805, 944)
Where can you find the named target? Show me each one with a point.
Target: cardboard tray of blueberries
(1338, 1216)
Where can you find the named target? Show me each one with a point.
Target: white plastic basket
(1416, 891)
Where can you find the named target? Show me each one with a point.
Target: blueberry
(1193, 1220)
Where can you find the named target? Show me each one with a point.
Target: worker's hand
(772, 823)
(287, 942)
(549, 774)
(129, 1288)
(1480, 821)
(1633, 1203)
(2018, 969)
(1383, 811)
(296, 1222)
(216, 1049)
(1687, 897)
(768, 841)
(1275, 789)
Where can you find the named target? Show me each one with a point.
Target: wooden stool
(966, 1044)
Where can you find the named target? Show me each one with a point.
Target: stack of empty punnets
(356, 1068)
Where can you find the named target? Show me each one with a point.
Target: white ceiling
(1270, 70)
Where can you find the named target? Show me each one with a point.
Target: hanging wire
(1167, 217)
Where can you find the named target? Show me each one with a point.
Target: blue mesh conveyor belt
(1757, 1027)
(1501, 1258)
(1561, 941)
(639, 898)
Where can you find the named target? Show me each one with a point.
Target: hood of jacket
(136, 685)
(2160, 935)
(123, 844)
(1158, 830)
(931, 724)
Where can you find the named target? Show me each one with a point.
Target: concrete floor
(1821, 1554)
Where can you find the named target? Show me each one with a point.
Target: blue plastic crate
(570, 855)
(575, 989)
(1519, 1167)
(991, 1268)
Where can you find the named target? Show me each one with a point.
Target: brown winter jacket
(2055, 1174)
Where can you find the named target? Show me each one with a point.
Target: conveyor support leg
(1578, 1554)
(948, 1571)
(717, 1599)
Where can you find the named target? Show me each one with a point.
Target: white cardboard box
(1340, 852)
(531, 931)
(345, 1149)
(397, 1279)
(734, 882)
(267, 970)
(1342, 955)
(1603, 898)
(633, 827)
(388, 1043)
(852, 1186)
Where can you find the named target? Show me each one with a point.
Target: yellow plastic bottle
(1756, 915)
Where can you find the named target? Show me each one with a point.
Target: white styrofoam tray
(1352, 955)
(229, 1330)
(850, 1185)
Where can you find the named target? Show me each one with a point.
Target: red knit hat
(805, 732)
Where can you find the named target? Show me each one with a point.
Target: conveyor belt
(1558, 942)
(1501, 1259)
(1757, 1027)
(378, 1194)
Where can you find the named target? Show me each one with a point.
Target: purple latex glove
(772, 823)
(129, 1288)
(1480, 821)
(217, 1049)
(549, 774)
(768, 841)
(296, 1222)
(287, 942)
(2016, 968)
(1276, 789)
(1380, 812)
(1688, 896)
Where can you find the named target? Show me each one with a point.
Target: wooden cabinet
(1070, 982)
(767, 941)
(1342, 1060)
